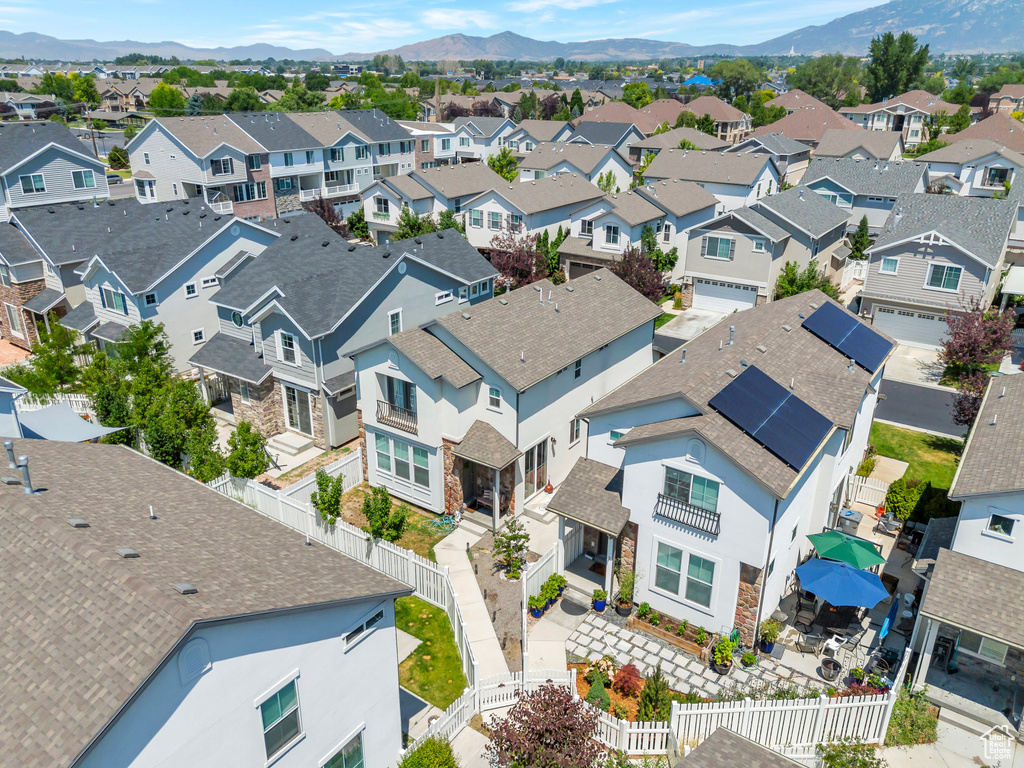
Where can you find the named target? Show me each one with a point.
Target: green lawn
(665, 317)
(932, 459)
(434, 670)
(951, 374)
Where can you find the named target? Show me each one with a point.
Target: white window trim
(202, 335)
(716, 257)
(34, 191)
(490, 407)
(243, 392)
(463, 294)
(928, 278)
(391, 314)
(300, 390)
(357, 731)
(681, 597)
(82, 172)
(576, 430)
(188, 295)
(21, 319)
(280, 348)
(443, 297)
(300, 735)
(757, 245)
(380, 608)
(621, 432)
(881, 265)
(208, 282)
(987, 531)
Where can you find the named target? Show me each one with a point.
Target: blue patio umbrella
(841, 584)
(890, 617)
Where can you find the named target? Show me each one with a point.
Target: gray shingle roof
(232, 357)
(598, 132)
(819, 373)
(992, 610)
(806, 209)
(198, 134)
(110, 331)
(677, 197)
(14, 248)
(691, 165)
(81, 318)
(19, 141)
(541, 130)
(867, 177)
(968, 150)
(274, 131)
(838, 142)
(433, 358)
(83, 628)
(993, 459)
(524, 339)
(774, 144)
(584, 157)
(592, 494)
(460, 180)
(44, 301)
(485, 445)
(671, 139)
(480, 126)
(979, 224)
(937, 536)
(727, 749)
(761, 223)
(336, 384)
(373, 125)
(321, 284)
(549, 193)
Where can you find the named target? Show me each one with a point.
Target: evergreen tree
(504, 164)
(194, 105)
(655, 700)
(247, 452)
(861, 240)
(897, 65)
(706, 124)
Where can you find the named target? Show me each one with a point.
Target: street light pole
(92, 129)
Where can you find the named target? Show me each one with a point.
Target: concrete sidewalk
(451, 552)
(550, 634)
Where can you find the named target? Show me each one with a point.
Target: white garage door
(722, 297)
(916, 329)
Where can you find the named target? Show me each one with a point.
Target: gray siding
(228, 328)
(908, 283)
(56, 166)
(169, 162)
(745, 266)
(304, 371)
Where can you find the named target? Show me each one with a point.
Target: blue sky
(369, 26)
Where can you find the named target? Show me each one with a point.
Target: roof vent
(127, 552)
(351, 248)
(597, 277)
(800, 315)
(503, 301)
(184, 588)
(77, 522)
(417, 241)
(787, 328)
(762, 348)
(466, 316)
(325, 243)
(732, 373)
(814, 306)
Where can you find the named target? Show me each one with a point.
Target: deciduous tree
(243, 100)
(410, 225)
(384, 521)
(358, 225)
(166, 101)
(247, 452)
(706, 124)
(516, 258)
(326, 499)
(977, 336)
(545, 729)
(504, 164)
(638, 270)
(829, 78)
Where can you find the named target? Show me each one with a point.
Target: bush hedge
(435, 752)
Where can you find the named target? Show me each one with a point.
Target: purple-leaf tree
(517, 259)
(967, 400)
(978, 335)
(451, 110)
(546, 729)
(638, 270)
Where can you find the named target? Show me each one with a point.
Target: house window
(404, 147)
(394, 322)
(114, 300)
(494, 397)
(362, 629)
(222, 166)
(515, 221)
(976, 645)
(669, 568)
(691, 489)
(889, 265)
(420, 467)
(83, 179)
(577, 369)
(236, 319)
(401, 454)
(944, 277)
(771, 569)
(150, 299)
(243, 391)
(1001, 525)
(280, 719)
(757, 246)
(383, 453)
(283, 184)
(446, 145)
(463, 141)
(443, 297)
(792, 536)
(209, 282)
(666, 234)
(614, 435)
(424, 145)
(456, 205)
(243, 193)
(349, 756)
(384, 150)
(145, 157)
(198, 336)
(485, 287)
(586, 228)
(719, 247)
(32, 184)
(476, 218)
(383, 206)
(463, 294)
(310, 157)
(528, 146)
(362, 152)
(574, 431)
(700, 577)
(174, 189)
(255, 162)
(286, 348)
(611, 234)
(5, 276)
(494, 220)
(337, 154)
(289, 160)
(191, 290)
(14, 320)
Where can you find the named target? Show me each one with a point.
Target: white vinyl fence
(80, 404)
(539, 572)
(868, 490)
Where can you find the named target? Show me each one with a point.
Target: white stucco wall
(974, 538)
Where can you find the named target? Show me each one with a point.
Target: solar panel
(842, 330)
(772, 415)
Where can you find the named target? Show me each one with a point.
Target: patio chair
(888, 524)
(809, 643)
(804, 619)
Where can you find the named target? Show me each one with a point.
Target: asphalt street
(920, 407)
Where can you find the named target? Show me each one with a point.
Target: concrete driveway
(915, 365)
(690, 323)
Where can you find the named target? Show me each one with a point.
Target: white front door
(915, 329)
(721, 296)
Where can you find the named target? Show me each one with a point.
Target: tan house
(1009, 99)
(730, 123)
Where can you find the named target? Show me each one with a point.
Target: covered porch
(591, 519)
(487, 474)
(971, 638)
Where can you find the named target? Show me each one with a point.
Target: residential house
(44, 164)
(658, 113)
(975, 167)
(601, 231)
(935, 253)
(652, 145)
(288, 318)
(735, 179)
(1001, 128)
(1009, 99)
(708, 508)
(589, 161)
(479, 409)
(731, 124)
(425, 192)
(808, 126)
(27, 106)
(480, 137)
(619, 136)
(617, 112)
(860, 145)
(791, 157)
(796, 99)
(906, 113)
(202, 656)
(527, 208)
(426, 141)
(865, 187)
(733, 261)
(529, 133)
(505, 103)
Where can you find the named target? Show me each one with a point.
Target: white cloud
(567, 5)
(448, 19)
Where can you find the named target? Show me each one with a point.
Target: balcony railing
(308, 194)
(396, 416)
(687, 514)
(337, 190)
(221, 207)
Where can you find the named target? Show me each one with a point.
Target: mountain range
(948, 26)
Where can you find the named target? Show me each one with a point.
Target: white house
(735, 179)
(202, 657)
(974, 167)
(586, 160)
(480, 407)
(480, 137)
(713, 504)
(907, 114)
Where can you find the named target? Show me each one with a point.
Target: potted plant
(627, 583)
(857, 675)
(769, 633)
(549, 593)
(830, 668)
(559, 581)
(721, 656)
(600, 600)
(748, 659)
(537, 604)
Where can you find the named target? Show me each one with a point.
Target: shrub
(628, 681)
(620, 710)
(669, 628)
(914, 720)
(898, 500)
(247, 452)
(627, 584)
(383, 522)
(848, 754)
(677, 301)
(326, 499)
(867, 466)
(511, 545)
(681, 629)
(598, 696)
(548, 724)
(435, 752)
(655, 619)
(644, 610)
(723, 651)
(655, 701)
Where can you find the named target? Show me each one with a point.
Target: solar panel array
(772, 415)
(842, 330)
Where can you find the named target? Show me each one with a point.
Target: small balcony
(309, 194)
(687, 514)
(396, 416)
(339, 190)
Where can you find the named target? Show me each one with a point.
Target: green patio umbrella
(834, 545)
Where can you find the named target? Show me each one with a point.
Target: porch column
(609, 567)
(496, 500)
(931, 632)
(202, 387)
(560, 557)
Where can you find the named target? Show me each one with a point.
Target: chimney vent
(11, 463)
(77, 522)
(25, 479)
(732, 334)
(682, 358)
(127, 553)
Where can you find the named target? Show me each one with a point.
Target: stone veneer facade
(264, 409)
(16, 295)
(627, 547)
(747, 598)
(362, 441)
(453, 498)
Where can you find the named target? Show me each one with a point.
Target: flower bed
(667, 630)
